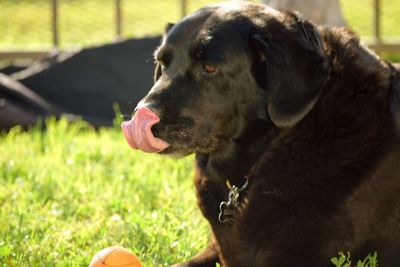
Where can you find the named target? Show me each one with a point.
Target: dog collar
(227, 209)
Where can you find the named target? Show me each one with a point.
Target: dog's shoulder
(349, 56)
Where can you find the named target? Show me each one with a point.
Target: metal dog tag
(226, 213)
(227, 209)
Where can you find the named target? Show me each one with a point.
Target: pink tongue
(138, 133)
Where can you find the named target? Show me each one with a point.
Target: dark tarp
(19, 105)
(89, 82)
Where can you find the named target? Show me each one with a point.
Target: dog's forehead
(189, 26)
(200, 22)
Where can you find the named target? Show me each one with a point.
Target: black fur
(308, 113)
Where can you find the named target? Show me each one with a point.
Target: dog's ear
(293, 69)
(157, 69)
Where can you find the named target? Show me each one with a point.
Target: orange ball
(116, 257)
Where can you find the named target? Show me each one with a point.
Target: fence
(376, 21)
(32, 28)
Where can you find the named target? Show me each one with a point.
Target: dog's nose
(138, 132)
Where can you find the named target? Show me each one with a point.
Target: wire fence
(361, 14)
(31, 24)
(69, 24)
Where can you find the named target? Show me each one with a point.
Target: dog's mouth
(147, 133)
(138, 132)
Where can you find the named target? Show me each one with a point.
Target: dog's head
(223, 69)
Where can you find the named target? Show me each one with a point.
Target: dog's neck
(237, 157)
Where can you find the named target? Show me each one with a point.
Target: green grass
(71, 191)
(25, 24)
(343, 260)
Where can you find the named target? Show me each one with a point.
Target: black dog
(301, 121)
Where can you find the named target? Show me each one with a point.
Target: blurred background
(39, 25)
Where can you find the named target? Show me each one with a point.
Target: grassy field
(25, 24)
(71, 191)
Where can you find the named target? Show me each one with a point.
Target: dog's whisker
(149, 59)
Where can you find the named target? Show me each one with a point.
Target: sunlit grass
(70, 191)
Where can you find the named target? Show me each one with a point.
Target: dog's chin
(180, 149)
(176, 152)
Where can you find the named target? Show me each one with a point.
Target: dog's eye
(209, 68)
